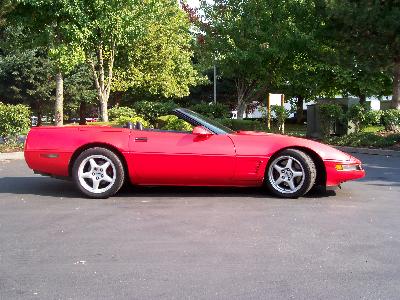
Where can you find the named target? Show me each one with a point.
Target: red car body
(188, 159)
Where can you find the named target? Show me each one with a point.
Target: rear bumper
(49, 162)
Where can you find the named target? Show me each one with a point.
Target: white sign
(375, 105)
(275, 99)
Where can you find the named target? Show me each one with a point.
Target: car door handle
(141, 139)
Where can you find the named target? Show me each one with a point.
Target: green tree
(50, 24)
(5, 7)
(368, 33)
(308, 72)
(250, 42)
(80, 93)
(25, 77)
(135, 44)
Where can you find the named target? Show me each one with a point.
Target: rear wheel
(291, 174)
(98, 173)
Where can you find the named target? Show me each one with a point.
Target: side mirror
(201, 131)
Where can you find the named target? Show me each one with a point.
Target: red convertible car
(100, 159)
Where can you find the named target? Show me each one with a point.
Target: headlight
(353, 167)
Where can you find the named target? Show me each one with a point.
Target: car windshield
(199, 119)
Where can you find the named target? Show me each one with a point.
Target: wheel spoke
(289, 163)
(93, 163)
(278, 168)
(107, 178)
(279, 180)
(297, 174)
(105, 166)
(291, 185)
(87, 175)
(96, 184)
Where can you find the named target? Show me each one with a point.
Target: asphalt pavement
(200, 243)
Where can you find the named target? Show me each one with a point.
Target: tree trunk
(103, 85)
(58, 109)
(247, 92)
(82, 113)
(39, 113)
(241, 94)
(241, 108)
(396, 84)
(363, 98)
(299, 109)
(103, 109)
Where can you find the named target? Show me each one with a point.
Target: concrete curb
(11, 156)
(369, 151)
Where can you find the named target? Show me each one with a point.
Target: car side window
(173, 124)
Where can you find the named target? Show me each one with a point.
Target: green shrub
(121, 111)
(237, 124)
(215, 111)
(280, 114)
(357, 115)
(100, 123)
(362, 116)
(391, 119)
(329, 115)
(171, 122)
(152, 110)
(365, 139)
(14, 120)
(123, 120)
(373, 118)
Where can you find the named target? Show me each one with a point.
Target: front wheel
(291, 174)
(98, 173)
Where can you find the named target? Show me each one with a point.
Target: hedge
(14, 121)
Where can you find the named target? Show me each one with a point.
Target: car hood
(283, 141)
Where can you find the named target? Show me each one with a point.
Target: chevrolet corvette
(99, 159)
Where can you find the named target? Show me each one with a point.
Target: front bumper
(338, 172)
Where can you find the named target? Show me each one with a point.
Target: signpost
(273, 99)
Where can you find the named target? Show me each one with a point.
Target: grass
(299, 130)
(373, 129)
(296, 129)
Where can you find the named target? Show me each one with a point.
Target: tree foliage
(48, 24)
(25, 77)
(266, 46)
(367, 35)
(132, 44)
(14, 120)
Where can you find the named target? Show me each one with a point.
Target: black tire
(114, 171)
(277, 180)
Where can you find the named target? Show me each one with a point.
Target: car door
(176, 158)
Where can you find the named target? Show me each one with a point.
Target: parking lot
(200, 243)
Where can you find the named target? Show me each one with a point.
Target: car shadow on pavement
(45, 186)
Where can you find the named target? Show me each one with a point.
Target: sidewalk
(11, 156)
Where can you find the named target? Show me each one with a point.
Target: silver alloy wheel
(286, 174)
(97, 174)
